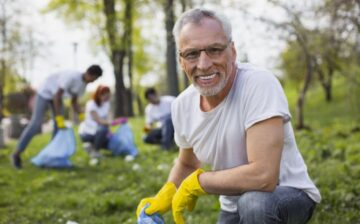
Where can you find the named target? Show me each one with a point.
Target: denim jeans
(286, 205)
(163, 135)
(99, 140)
(36, 120)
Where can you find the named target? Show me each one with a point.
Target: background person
(94, 129)
(69, 84)
(235, 118)
(158, 124)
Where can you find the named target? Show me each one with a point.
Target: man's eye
(214, 50)
(191, 54)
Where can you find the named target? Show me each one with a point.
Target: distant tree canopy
(121, 28)
(116, 29)
(322, 41)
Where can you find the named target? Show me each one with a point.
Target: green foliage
(293, 63)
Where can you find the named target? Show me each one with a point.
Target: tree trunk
(129, 53)
(186, 4)
(3, 49)
(120, 90)
(302, 95)
(139, 105)
(171, 63)
(326, 84)
(310, 63)
(118, 54)
(2, 82)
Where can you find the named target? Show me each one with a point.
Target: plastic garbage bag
(149, 219)
(122, 142)
(57, 153)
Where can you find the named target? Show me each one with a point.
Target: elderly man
(235, 118)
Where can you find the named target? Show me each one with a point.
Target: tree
(297, 35)
(118, 52)
(317, 44)
(112, 21)
(171, 63)
(18, 47)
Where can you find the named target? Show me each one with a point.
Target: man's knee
(256, 207)
(251, 202)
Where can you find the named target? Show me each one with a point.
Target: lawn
(110, 191)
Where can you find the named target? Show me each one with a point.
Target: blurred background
(312, 46)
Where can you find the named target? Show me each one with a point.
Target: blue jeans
(36, 120)
(286, 205)
(163, 135)
(99, 140)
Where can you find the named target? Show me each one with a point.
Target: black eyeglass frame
(206, 50)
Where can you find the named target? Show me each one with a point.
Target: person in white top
(158, 124)
(236, 119)
(94, 130)
(63, 84)
(95, 127)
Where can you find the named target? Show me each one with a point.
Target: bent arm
(58, 104)
(75, 105)
(184, 165)
(264, 143)
(98, 119)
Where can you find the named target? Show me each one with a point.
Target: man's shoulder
(250, 69)
(70, 76)
(252, 74)
(91, 104)
(186, 98)
(187, 94)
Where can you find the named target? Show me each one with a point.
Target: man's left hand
(186, 196)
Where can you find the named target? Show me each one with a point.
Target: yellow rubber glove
(60, 122)
(186, 196)
(161, 203)
(81, 117)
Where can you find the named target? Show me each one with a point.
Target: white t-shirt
(89, 125)
(218, 137)
(70, 81)
(158, 112)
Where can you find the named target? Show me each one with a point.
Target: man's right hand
(161, 203)
(60, 121)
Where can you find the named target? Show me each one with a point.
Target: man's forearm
(57, 105)
(75, 105)
(179, 172)
(237, 180)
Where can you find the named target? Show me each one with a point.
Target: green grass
(110, 192)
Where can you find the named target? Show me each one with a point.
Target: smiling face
(213, 71)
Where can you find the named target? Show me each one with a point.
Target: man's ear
(182, 65)
(234, 52)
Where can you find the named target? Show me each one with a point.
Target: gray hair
(195, 16)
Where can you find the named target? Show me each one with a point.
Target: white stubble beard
(213, 90)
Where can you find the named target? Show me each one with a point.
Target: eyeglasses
(213, 51)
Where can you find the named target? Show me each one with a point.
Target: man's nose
(204, 62)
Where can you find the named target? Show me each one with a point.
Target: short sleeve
(179, 138)
(265, 99)
(90, 106)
